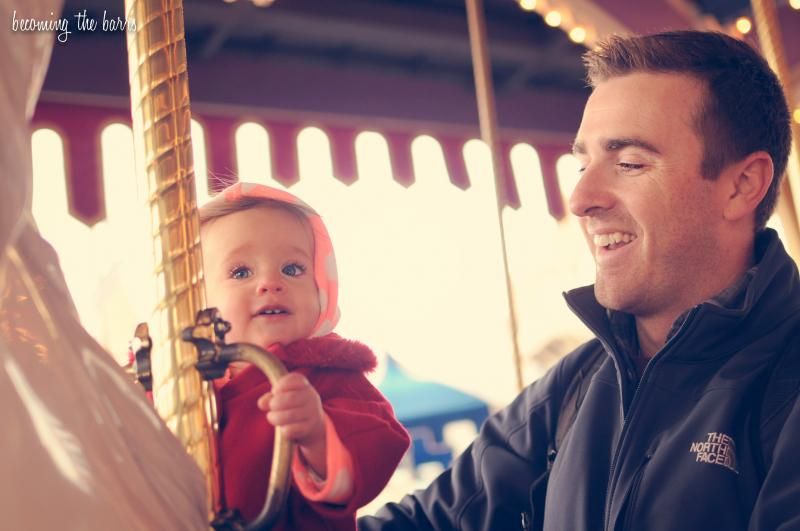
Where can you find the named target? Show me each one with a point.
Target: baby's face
(259, 269)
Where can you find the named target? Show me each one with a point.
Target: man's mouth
(613, 240)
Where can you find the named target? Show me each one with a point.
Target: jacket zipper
(622, 384)
(631, 408)
(637, 480)
(525, 521)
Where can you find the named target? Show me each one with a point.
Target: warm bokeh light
(567, 168)
(775, 222)
(544, 318)
(253, 156)
(795, 4)
(372, 157)
(553, 18)
(49, 184)
(314, 150)
(744, 25)
(577, 34)
(70, 237)
(527, 5)
(199, 160)
(123, 278)
(121, 190)
(796, 113)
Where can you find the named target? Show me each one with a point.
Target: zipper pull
(525, 521)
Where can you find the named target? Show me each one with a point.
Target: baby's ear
(747, 182)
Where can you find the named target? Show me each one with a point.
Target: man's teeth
(605, 240)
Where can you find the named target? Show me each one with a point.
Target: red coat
(363, 419)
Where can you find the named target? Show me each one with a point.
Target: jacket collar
(746, 309)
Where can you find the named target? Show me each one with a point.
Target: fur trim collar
(329, 351)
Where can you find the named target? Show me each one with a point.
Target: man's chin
(609, 297)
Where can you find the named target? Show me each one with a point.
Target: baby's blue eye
(240, 272)
(293, 270)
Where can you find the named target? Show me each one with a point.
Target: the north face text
(717, 449)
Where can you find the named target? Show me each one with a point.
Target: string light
(795, 4)
(553, 18)
(744, 25)
(257, 3)
(577, 34)
(796, 115)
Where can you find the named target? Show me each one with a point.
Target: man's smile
(613, 240)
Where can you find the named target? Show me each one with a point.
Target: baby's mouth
(273, 310)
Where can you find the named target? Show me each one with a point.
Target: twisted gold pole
(484, 93)
(161, 123)
(769, 36)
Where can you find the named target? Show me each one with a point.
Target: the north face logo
(717, 449)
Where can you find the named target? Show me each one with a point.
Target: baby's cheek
(230, 315)
(313, 316)
(237, 331)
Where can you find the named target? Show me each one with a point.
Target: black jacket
(678, 449)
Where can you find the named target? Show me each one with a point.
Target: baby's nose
(272, 285)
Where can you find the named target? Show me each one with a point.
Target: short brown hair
(745, 109)
(218, 209)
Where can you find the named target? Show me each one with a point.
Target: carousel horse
(80, 445)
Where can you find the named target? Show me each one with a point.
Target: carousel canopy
(397, 59)
(402, 68)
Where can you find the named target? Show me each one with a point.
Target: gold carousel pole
(484, 89)
(161, 124)
(769, 36)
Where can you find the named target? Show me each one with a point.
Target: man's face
(259, 268)
(651, 220)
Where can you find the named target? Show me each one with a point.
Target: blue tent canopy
(424, 408)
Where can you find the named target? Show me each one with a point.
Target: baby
(270, 269)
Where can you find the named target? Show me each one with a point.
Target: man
(689, 420)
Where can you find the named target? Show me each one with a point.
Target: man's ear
(747, 183)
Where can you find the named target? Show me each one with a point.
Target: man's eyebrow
(616, 144)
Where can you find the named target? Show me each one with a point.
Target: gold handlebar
(208, 336)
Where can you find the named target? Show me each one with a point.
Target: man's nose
(592, 193)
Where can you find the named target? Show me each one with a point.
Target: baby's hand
(294, 406)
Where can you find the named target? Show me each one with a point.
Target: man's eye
(630, 166)
(293, 270)
(240, 272)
